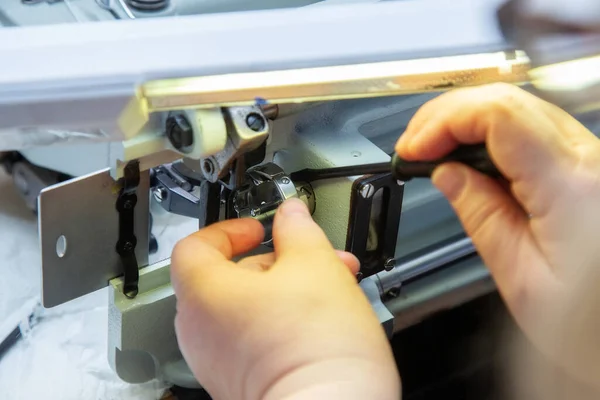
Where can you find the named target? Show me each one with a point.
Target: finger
(520, 137)
(350, 260)
(298, 238)
(495, 223)
(260, 262)
(264, 262)
(414, 126)
(205, 252)
(527, 146)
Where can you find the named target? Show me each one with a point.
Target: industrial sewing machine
(208, 113)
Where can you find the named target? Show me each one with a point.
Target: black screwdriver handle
(475, 156)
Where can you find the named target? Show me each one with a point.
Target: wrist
(345, 378)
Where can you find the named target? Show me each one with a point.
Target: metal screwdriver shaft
(474, 156)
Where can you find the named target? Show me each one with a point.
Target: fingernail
(294, 207)
(450, 179)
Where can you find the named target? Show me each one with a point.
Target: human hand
(539, 233)
(291, 324)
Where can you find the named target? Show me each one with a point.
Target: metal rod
(442, 290)
(334, 82)
(432, 259)
(311, 175)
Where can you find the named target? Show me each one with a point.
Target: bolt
(367, 191)
(128, 205)
(285, 180)
(130, 291)
(179, 131)
(254, 212)
(255, 122)
(389, 265)
(160, 194)
(393, 293)
(127, 246)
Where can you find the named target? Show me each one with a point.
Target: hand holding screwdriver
(474, 156)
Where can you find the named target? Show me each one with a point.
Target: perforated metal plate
(79, 228)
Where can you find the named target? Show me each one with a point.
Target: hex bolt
(160, 194)
(367, 191)
(389, 265)
(255, 122)
(179, 131)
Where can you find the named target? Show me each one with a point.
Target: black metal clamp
(375, 210)
(127, 241)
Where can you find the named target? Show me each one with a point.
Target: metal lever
(475, 156)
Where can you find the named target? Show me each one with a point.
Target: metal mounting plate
(83, 211)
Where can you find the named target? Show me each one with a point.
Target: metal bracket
(79, 225)
(247, 129)
(210, 204)
(172, 190)
(375, 210)
(127, 240)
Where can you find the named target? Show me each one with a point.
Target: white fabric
(65, 356)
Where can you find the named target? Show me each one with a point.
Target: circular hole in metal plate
(208, 167)
(61, 246)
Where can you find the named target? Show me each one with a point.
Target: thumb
(297, 236)
(500, 231)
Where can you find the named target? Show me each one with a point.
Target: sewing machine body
(424, 265)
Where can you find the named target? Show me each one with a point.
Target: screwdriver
(475, 156)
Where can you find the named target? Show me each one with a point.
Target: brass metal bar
(336, 82)
(324, 84)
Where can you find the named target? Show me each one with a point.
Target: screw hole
(61, 246)
(356, 154)
(208, 167)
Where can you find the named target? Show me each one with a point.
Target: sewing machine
(207, 115)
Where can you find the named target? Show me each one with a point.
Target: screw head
(160, 194)
(179, 131)
(128, 246)
(285, 180)
(128, 205)
(254, 212)
(367, 191)
(389, 264)
(255, 122)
